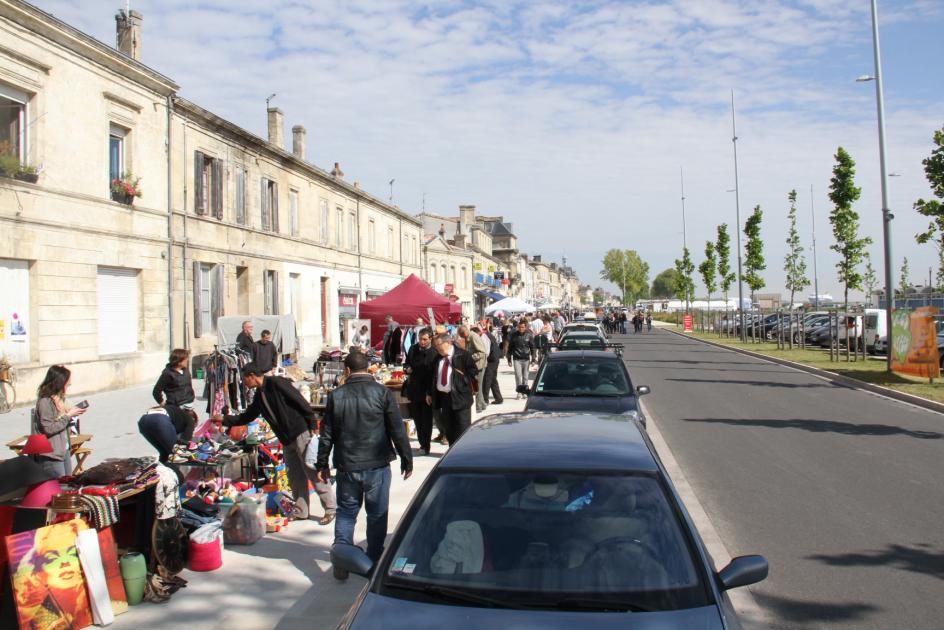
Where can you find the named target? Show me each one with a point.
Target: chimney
(357, 185)
(336, 171)
(276, 127)
(128, 33)
(442, 230)
(298, 141)
(459, 239)
(466, 218)
(537, 258)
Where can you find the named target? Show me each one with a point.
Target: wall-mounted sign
(477, 266)
(347, 304)
(491, 268)
(915, 342)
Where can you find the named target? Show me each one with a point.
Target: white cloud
(571, 119)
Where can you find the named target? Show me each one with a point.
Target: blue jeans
(160, 432)
(372, 488)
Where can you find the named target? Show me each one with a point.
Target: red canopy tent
(406, 302)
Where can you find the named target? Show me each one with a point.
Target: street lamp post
(886, 213)
(737, 207)
(815, 272)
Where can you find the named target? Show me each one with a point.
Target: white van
(875, 327)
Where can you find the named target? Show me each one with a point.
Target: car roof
(562, 441)
(576, 355)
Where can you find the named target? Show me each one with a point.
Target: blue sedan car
(546, 521)
(585, 381)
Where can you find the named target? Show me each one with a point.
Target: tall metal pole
(684, 234)
(815, 272)
(886, 214)
(737, 207)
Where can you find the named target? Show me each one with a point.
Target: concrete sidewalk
(282, 581)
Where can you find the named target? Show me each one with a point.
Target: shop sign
(506, 281)
(477, 266)
(347, 304)
(491, 268)
(914, 340)
(688, 323)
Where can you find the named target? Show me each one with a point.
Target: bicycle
(7, 388)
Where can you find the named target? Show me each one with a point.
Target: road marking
(750, 614)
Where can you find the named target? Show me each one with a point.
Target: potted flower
(125, 188)
(10, 165)
(27, 174)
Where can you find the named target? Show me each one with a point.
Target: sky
(576, 120)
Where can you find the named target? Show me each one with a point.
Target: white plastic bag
(311, 453)
(207, 533)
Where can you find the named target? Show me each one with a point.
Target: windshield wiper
(453, 594)
(591, 603)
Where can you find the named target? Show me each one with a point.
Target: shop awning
(490, 294)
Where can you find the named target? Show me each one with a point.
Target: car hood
(388, 613)
(603, 404)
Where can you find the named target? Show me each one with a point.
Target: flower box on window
(10, 165)
(125, 188)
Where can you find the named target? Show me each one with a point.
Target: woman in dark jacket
(420, 364)
(174, 386)
(165, 426)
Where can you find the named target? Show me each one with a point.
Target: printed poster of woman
(48, 584)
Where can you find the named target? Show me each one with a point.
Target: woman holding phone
(51, 417)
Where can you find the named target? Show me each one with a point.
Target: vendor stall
(406, 302)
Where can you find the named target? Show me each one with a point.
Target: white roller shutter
(118, 310)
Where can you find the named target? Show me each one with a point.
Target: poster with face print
(48, 584)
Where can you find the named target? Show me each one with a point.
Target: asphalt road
(841, 490)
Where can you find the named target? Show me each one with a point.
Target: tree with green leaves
(709, 270)
(723, 250)
(628, 271)
(794, 264)
(904, 282)
(684, 285)
(664, 285)
(845, 221)
(934, 208)
(599, 296)
(754, 262)
(869, 279)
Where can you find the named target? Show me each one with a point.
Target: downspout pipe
(170, 227)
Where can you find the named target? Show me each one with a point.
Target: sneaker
(339, 573)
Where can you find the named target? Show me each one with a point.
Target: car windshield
(539, 540)
(597, 377)
(581, 342)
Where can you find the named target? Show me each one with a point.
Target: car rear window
(537, 539)
(583, 377)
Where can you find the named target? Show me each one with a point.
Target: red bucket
(206, 556)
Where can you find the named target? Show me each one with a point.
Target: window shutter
(219, 296)
(198, 192)
(275, 207)
(197, 301)
(218, 189)
(264, 203)
(275, 292)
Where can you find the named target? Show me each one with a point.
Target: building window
(432, 274)
(371, 237)
(116, 153)
(270, 205)
(208, 291)
(118, 310)
(323, 208)
(293, 211)
(451, 279)
(207, 185)
(415, 251)
(352, 232)
(339, 225)
(463, 271)
(13, 122)
(241, 195)
(390, 242)
(271, 292)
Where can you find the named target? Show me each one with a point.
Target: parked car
(581, 340)
(589, 381)
(546, 521)
(584, 327)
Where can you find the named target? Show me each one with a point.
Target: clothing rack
(224, 379)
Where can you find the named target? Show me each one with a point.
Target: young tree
(708, 270)
(934, 208)
(845, 221)
(684, 285)
(794, 264)
(869, 279)
(664, 284)
(903, 282)
(723, 249)
(754, 252)
(626, 269)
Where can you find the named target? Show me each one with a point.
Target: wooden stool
(81, 454)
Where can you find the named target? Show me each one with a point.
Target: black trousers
(490, 382)
(455, 421)
(423, 417)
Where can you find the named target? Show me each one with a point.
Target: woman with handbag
(52, 416)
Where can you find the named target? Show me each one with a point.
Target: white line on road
(750, 614)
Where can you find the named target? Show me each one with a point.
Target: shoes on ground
(326, 519)
(339, 573)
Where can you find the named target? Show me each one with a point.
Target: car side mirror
(352, 559)
(743, 571)
(642, 390)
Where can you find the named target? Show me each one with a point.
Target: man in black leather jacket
(362, 424)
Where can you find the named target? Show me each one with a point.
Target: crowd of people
(615, 322)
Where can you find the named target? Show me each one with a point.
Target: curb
(846, 381)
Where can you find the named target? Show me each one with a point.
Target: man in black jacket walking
(490, 380)
(420, 364)
(450, 389)
(293, 421)
(362, 424)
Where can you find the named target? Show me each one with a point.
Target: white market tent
(509, 305)
(550, 306)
